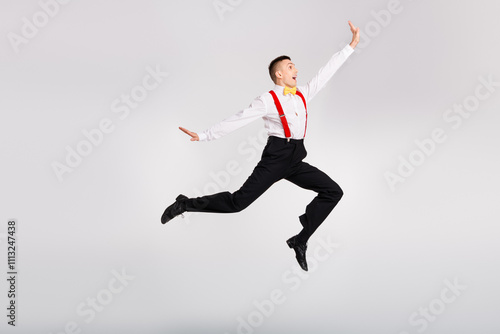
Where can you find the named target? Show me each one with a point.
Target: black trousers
(281, 159)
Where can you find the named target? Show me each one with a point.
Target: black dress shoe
(175, 209)
(300, 251)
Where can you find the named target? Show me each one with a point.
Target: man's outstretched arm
(255, 110)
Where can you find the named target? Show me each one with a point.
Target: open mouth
(294, 78)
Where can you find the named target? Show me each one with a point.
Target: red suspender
(282, 114)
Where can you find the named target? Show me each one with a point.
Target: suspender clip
(288, 140)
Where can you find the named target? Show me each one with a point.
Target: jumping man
(284, 111)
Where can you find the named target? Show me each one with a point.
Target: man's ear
(279, 74)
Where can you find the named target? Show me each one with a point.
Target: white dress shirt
(293, 107)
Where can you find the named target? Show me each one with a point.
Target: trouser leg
(225, 202)
(329, 194)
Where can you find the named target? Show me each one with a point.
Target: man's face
(287, 73)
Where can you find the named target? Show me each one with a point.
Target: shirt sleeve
(257, 109)
(326, 73)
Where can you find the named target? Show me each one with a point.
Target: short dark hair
(274, 64)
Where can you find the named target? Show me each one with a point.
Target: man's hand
(194, 135)
(355, 35)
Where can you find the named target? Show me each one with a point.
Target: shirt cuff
(202, 136)
(349, 49)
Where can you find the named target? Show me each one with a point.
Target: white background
(396, 247)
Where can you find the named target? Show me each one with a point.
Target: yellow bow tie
(290, 90)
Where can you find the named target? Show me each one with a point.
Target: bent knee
(338, 194)
(335, 193)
